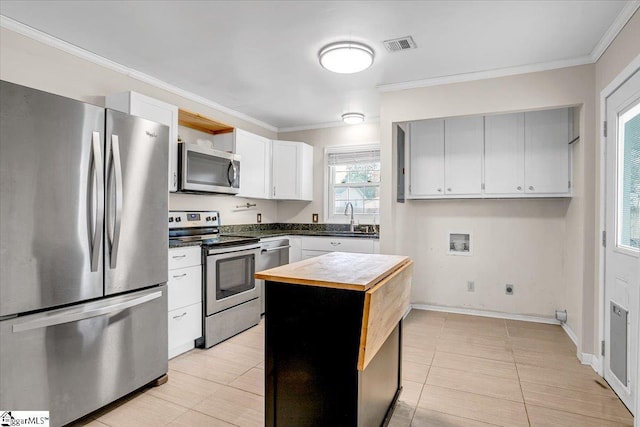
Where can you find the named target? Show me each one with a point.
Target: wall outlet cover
(471, 286)
(259, 218)
(314, 218)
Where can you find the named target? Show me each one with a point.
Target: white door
(286, 170)
(255, 163)
(463, 140)
(504, 154)
(426, 158)
(622, 239)
(546, 151)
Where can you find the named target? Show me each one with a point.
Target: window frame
(329, 216)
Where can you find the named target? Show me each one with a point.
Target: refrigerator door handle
(75, 317)
(98, 215)
(114, 231)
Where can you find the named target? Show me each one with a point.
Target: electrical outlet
(259, 218)
(314, 218)
(508, 289)
(471, 286)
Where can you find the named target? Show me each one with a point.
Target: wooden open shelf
(204, 124)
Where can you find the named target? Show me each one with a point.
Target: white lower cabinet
(316, 246)
(185, 299)
(295, 251)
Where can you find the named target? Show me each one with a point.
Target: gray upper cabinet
(426, 159)
(463, 156)
(504, 154)
(515, 155)
(445, 158)
(546, 152)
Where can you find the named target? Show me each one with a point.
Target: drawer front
(185, 286)
(184, 257)
(337, 244)
(306, 254)
(185, 325)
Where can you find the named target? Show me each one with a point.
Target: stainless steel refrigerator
(83, 253)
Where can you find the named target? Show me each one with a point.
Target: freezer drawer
(75, 360)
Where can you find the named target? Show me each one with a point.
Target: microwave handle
(232, 178)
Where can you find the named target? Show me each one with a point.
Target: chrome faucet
(352, 222)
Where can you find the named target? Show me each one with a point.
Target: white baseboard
(486, 313)
(571, 335)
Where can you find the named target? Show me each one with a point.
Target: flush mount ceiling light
(346, 57)
(353, 118)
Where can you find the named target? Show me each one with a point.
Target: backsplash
(293, 227)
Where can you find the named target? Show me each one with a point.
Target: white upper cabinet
(158, 111)
(292, 170)
(426, 158)
(546, 152)
(463, 156)
(255, 164)
(504, 154)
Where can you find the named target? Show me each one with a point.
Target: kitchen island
(334, 339)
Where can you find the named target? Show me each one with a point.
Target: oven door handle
(232, 252)
(279, 248)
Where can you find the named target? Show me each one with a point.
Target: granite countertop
(276, 233)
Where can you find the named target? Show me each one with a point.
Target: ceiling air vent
(403, 43)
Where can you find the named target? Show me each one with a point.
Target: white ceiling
(259, 58)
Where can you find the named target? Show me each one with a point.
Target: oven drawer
(185, 286)
(184, 257)
(185, 326)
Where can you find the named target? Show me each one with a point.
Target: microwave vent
(402, 43)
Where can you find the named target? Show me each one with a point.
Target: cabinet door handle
(335, 243)
(180, 315)
(531, 187)
(180, 276)
(519, 188)
(178, 256)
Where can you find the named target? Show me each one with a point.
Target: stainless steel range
(231, 296)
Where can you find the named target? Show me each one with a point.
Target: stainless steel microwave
(205, 170)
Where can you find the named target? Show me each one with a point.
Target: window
(628, 224)
(353, 176)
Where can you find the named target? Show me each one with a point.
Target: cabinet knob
(440, 190)
(449, 189)
(519, 188)
(531, 187)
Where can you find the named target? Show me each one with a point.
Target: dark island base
(312, 346)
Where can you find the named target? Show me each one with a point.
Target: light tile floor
(457, 371)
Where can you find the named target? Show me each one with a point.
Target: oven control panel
(188, 219)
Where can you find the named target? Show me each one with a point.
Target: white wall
(31, 63)
(300, 212)
(534, 244)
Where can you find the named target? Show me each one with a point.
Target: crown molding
(483, 75)
(327, 125)
(618, 24)
(27, 31)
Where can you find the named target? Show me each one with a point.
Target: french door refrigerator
(83, 253)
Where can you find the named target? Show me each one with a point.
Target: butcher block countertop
(338, 270)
